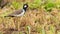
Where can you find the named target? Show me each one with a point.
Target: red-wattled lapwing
(19, 12)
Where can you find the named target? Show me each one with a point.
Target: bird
(19, 12)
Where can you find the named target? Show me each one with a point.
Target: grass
(37, 21)
(30, 20)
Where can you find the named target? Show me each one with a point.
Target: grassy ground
(39, 19)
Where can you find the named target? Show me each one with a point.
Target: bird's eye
(25, 6)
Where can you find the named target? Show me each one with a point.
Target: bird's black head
(25, 6)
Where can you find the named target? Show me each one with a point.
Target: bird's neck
(24, 9)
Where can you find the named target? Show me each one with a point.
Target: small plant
(28, 29)
(49, 5)
(52, 29)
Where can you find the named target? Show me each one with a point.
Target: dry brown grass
(37, 19)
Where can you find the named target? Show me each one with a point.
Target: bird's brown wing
(16, 13)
